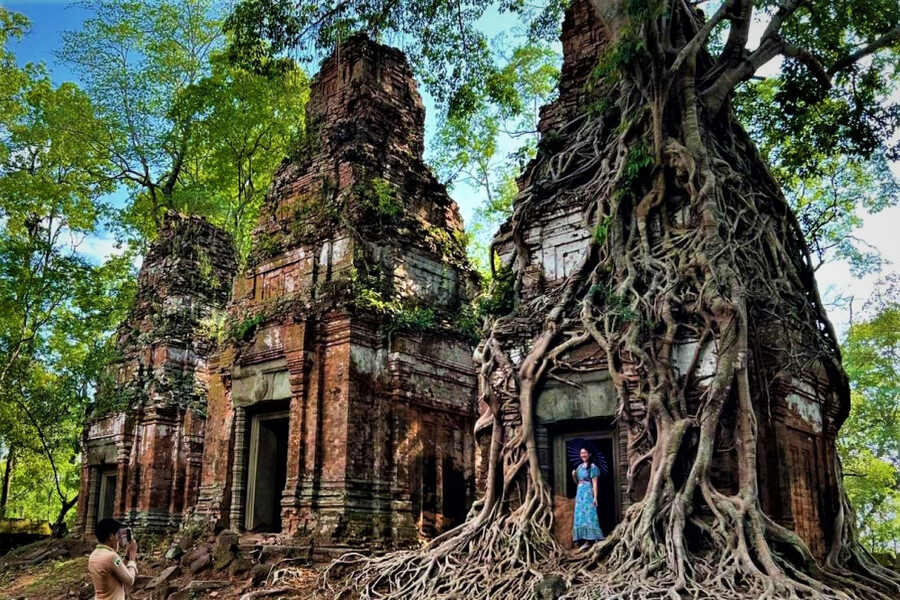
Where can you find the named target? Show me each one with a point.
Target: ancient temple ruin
(142, 448)
(341, 406)
(798, 422)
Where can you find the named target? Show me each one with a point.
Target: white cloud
(98, 248)
(834, 278)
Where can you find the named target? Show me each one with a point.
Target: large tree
(181, 127)
(57, 307)
(870, 438)
(660, 140)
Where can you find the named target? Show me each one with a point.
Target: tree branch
(714, 95)
(770, 45)
(699, 39)
(738, 32)
(882, 42)
(40, 432)
(807, 59)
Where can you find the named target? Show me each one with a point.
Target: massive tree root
(691, 238)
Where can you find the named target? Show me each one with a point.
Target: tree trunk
(7, 475)
(687, 237)
(59, 528)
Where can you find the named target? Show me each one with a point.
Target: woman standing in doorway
(586, 526)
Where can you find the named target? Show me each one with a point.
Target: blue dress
(585, 525)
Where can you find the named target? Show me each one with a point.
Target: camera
(125, 536)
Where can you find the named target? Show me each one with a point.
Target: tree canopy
(56, 306)
(181, 127)
(870, 439)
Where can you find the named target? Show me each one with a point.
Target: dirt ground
(57, 570)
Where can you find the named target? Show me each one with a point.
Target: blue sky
(50, 18)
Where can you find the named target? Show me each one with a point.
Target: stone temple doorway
(267, 471)
(566, 445)
(601, 446)
(106, 497)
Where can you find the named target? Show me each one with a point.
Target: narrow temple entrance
(267, 471)
(606, 494)
(106, 498)
(566, 447)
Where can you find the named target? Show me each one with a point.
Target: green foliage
(869, 442)
(206, 270)
(469, 146)
(243, 330)
(639, 162)
(601, 230)
(615, 61)
(267, 246)
(830, 191)
(494, 210)
(613, 304)
(451, 57)
(215, 326)
(57, 308)
(400, 315)
(499, 299)
(380, 197)
(829, 145)
(415, 318)
(859, 113)
(182, 127)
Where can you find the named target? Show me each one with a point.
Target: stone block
(200, 563)
(164, 577)
(239, 566)
(225, 548)
(550, 587)
(258, 575)
(174, 552)
(194, 554)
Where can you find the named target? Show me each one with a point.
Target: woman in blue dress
(586, 526)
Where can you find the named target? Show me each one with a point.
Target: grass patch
(48, 580)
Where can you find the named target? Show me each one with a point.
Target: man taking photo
(111, 576)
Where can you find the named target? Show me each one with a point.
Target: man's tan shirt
(111, 576)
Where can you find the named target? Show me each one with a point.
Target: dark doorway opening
(267, 471)
(601, 448)
(106, 496)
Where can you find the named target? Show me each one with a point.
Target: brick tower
(341, 407)
(143, 445)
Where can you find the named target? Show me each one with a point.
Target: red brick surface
(153, 439)
(379, 445)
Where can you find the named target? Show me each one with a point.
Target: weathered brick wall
(554, 234)
(355, 230)
(582, 39)
(157, 389)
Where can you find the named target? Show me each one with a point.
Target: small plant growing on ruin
(243, 330)
(207, 273)
(380, 196)
(215, 325)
